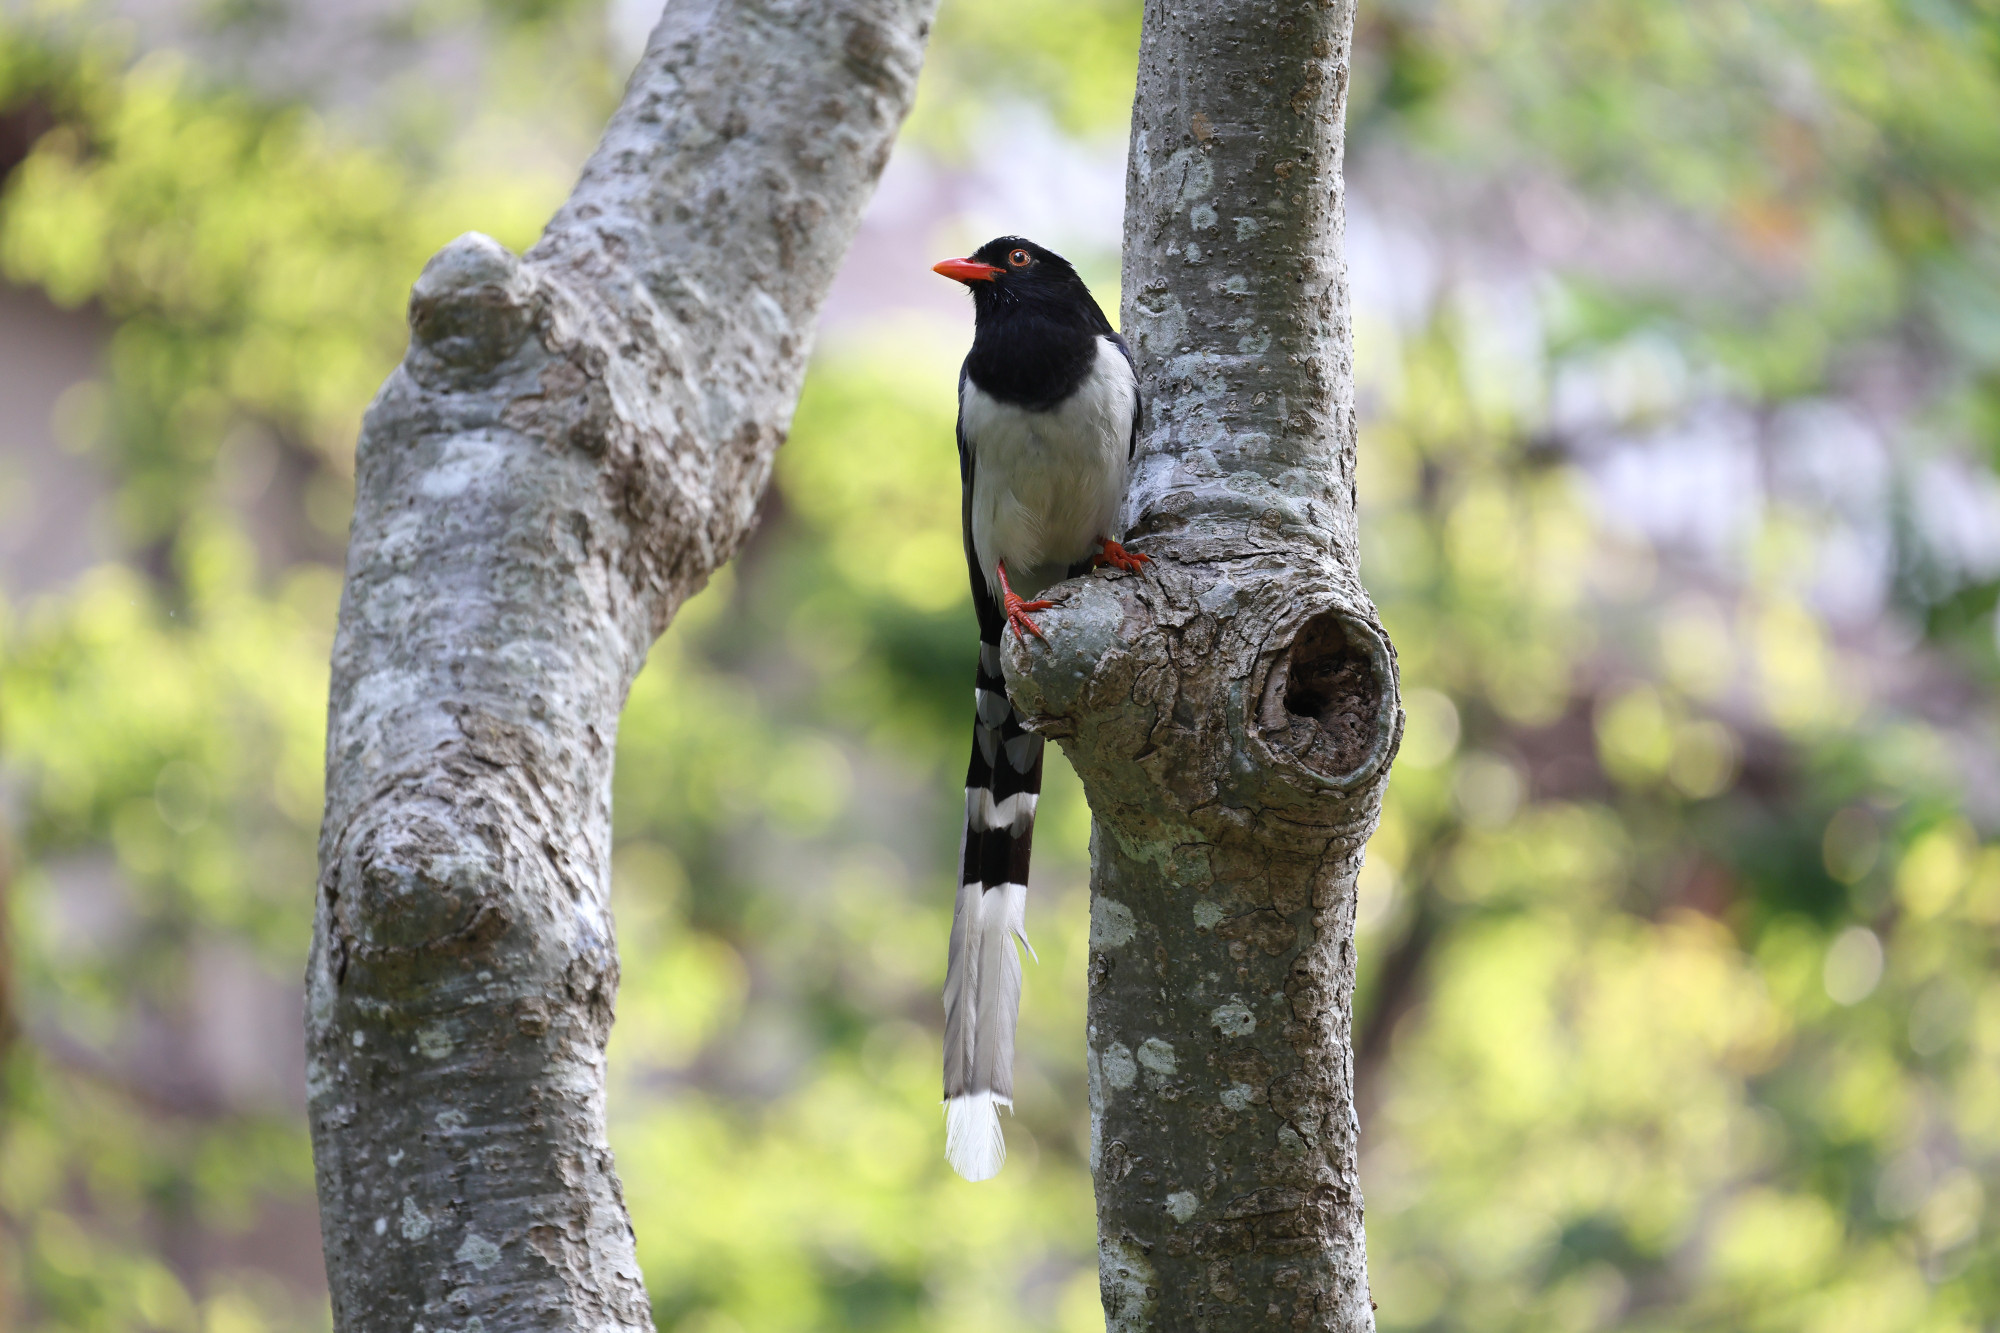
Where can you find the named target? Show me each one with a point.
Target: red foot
(1118, 557)
(1018, 608)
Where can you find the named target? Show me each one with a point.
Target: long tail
(982, 985)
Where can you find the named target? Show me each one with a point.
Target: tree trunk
(1233, 711)
(575, 440)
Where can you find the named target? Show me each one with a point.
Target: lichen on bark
(1233, 711)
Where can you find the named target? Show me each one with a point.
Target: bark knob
(470, 308)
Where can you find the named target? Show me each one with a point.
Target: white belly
(1047, 485)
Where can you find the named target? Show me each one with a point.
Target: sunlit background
(1678, 329)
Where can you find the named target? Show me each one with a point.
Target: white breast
(1047, 485)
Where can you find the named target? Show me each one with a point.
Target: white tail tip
(973, 1143)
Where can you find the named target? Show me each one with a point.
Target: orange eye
(1018, 258)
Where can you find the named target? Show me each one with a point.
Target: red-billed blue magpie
(1048, 419)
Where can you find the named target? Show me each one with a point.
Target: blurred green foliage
(1677, 1007)
(1076, 60)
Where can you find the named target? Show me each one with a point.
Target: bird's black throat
(1025, 359)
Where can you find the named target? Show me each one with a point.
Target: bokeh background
(1678, 332)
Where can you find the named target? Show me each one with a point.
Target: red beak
(966, 270)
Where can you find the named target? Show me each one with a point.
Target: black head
(1011, 277)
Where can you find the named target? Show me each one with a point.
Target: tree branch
(1233, 712)
(574, 442)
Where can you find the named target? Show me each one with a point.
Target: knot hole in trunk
(1330, 699)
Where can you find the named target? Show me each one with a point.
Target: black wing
(984, 604)
(1138, 402)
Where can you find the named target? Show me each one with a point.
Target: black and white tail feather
(982, 987)
(1048, 422)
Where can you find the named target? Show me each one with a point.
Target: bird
(1048, 423)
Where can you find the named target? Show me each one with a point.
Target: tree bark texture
(1233, 711)
(575, 440)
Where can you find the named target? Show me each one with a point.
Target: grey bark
(1233, 711)
(575, 440)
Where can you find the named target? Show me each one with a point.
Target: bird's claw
(1118, 557)
(1017, 616)
(1017, 610)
